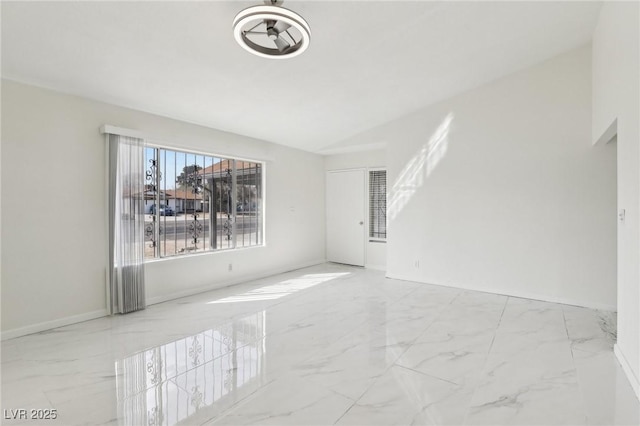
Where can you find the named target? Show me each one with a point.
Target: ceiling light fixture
(271, 31)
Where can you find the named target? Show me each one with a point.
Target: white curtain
(126, 224)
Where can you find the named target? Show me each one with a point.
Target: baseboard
(628, 371)
(375, 267)
(230, 282)
(522, 295)
(48, 325)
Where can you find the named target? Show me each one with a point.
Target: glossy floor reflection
(327, 345)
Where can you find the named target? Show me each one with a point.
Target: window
(378, 204)
(198, 203)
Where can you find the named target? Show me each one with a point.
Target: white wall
(375, 252)
(53, 197)
(616, 104)
(500, 189)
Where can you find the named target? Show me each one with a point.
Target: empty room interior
(320, 212)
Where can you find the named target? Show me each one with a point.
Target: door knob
(361, 223)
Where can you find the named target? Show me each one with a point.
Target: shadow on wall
(419, 168)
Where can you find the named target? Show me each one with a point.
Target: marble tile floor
(329, 344)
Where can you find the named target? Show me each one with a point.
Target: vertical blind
(378, 204)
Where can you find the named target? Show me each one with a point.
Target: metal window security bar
(197, 203)
(378, 204)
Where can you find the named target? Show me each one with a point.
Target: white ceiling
(369, 61)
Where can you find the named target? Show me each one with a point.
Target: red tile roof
(223, 165)
(182, 194)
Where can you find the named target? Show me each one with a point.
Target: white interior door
(345, 217)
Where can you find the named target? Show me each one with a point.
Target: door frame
(365, 218)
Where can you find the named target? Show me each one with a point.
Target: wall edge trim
(48, 325)
(375, 267)
(74, 319)
(231, 282)
(628, 371)
(521, 295)
(608, 134)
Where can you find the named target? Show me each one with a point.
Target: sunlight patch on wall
(419, 168)
(281, 289)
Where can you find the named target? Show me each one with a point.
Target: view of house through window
(378, 204)
(195, 203)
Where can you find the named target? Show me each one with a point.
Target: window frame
(158, 257)
(369, 237)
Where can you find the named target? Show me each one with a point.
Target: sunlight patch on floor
(281, 289)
